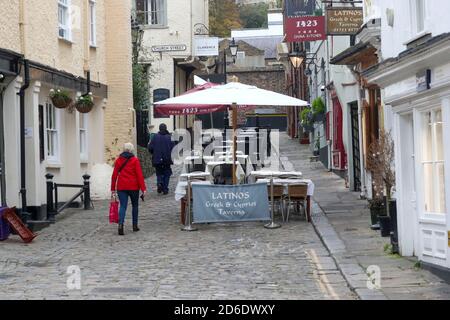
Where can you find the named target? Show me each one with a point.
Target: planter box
(319, 117)
(385, 226)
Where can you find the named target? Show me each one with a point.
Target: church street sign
(167, 48)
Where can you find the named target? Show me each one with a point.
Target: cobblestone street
(220, 261)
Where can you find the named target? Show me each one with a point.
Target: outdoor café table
(180, 195)
(222, 153)
(239, 157)
(274, 174)
(193, 175)
(287, 182)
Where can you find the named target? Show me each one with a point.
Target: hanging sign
(206, 46)
(308, 28)
(230, 203)
(344, 21)
(297, 8)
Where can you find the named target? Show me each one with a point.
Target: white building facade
(169, 29)
(415, 77)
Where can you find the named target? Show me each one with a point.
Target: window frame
(83, 132)
(432, 159)
(65, 6)
(417, 20)
(93, 23)
(54, 128)
(148, 13)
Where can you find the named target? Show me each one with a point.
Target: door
(355, 146)
(339, 155)
(432, 175)
(2, 156)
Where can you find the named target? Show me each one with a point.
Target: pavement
(82, 257)
(342, 220)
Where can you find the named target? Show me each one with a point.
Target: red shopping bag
(114, 211)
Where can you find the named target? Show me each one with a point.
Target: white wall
(394, 38)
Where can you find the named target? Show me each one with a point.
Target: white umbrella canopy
(235, 93)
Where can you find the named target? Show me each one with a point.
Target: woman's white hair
(128, 147)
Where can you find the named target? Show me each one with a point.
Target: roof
(268, 44)
(425, 46)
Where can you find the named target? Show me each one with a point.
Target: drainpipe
(23, 190)
(2, 153)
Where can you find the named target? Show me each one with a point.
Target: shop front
(417, 87)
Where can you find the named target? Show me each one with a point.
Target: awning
(363, 51)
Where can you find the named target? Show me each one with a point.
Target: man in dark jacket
(161, 148)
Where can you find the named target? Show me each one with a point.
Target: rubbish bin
(4, 226)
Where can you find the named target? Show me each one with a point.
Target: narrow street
(220, 261)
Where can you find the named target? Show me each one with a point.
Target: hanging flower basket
(60, 98)
(85, 103)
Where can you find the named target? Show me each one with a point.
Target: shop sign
(308, 28)
(344, 21)
(167, 48)
(297, 8)
(206, 46)
(423, 80)
(230, 203)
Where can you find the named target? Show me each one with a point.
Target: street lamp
(234, 49)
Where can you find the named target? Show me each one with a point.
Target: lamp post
(233, 46)
(296, 59)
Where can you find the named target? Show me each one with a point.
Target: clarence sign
(218, 203)
(308, 28)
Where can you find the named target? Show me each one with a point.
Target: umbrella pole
(212, 122)
(234, 142)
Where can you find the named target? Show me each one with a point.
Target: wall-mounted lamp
(297, 58)
(234, 49)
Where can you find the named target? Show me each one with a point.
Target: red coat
(131, 177)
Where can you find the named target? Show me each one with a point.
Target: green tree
(223, 16)
(254, 15)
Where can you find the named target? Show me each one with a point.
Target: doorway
(2, 155)
(355, 146)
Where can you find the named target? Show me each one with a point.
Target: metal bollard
(50, 203)
(87, 192)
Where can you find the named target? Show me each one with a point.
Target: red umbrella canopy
(176, 109)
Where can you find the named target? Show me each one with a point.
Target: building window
(240, 55)
(92, 24)
(52, 132)
(433, 161)
(152, 12)
(83, 128)
(418, 15)
(64, 19)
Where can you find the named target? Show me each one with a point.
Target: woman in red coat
(127, 180)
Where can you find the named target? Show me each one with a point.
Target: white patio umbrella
(234, 94)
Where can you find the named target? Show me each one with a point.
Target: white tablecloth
(181, 188)
(286, 182)
(275, 174)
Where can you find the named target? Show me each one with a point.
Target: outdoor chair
(223, 174)
(193, 167)
(297, 194)
(278, 197)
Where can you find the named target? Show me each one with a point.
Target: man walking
(161, 148)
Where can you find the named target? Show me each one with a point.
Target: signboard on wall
(308, 28)
(168, 48)
(160, 95)
(297, 8)
(423, 80)
(230, 203)
(344, 21)
(206, 46)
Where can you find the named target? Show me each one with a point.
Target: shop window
(83, 132)
(433, 162)
(52, 132)
(92, 24)
(64, 28)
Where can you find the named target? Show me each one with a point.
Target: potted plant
(377, 209)
(60, 98)
(318, 110)
(306, 122)
(380, 162)
(85, 103)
